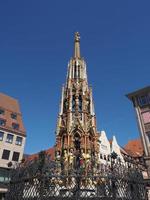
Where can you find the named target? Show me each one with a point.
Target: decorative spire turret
(77, 45)
(77, 65)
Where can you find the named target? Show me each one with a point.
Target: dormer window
(2, 111)
(2, 122)
(15, 126)
(13, 115)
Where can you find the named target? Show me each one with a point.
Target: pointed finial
(77, 37)
(77, 45)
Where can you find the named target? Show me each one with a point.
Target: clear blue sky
(36, 43)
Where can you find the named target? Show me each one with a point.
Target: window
(144, 100)
(9, 138)
(73, 103)
(80, 103)
(15, 156)
(6, 154)
(104, 147)
(2, 122)
(2, 111)
(13, 115)
(146, 117)
(99, 141)
(4, 175)
(78, 71)
(19, 140)
(1, 135)
(101, 157)
(75, 71)
(148, 135)
(65, 107)
(15, 126)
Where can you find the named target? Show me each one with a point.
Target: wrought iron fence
(43, 180)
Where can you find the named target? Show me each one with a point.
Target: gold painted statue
(71, 159)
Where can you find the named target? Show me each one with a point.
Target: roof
(50, 152)
(137, 92)
(9, 103)
(123, 151)
(134, 148)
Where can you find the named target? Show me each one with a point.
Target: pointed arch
(77, 139)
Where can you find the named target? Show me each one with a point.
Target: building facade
(108, 147)
(104, 148)
(12, 137)
(141, 103)
(76, 134)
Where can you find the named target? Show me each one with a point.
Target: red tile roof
(50, 152)
(134, 148)
(11, 105)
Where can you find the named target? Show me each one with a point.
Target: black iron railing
(42, 180)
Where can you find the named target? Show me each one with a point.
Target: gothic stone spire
(76, 134)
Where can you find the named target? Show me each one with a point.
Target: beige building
(12, 138)
(141, 103)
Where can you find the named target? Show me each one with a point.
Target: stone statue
(65, 160)
(58, 157)
(77, 37)
(88, 159)
(82, 159)
(71, 159)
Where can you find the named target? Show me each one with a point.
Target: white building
(106, 147)
(116, 148)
